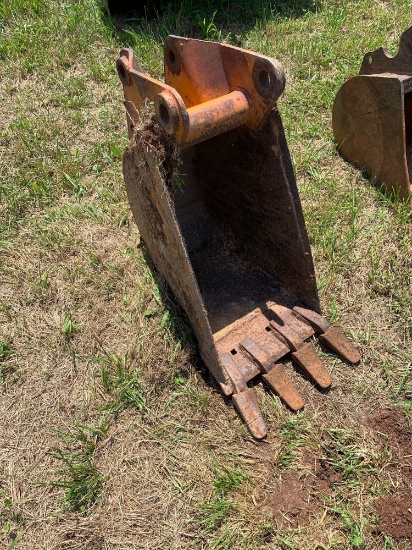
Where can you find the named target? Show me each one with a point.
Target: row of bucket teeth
(273, 373)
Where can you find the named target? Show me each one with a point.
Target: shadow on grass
(214, 20)
(178, 323)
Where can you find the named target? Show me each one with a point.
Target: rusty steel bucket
(372, 117)
(225, 227)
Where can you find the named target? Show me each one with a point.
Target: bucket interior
(231, 287)
(241, 220)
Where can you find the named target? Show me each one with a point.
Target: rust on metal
(257, 354)
(332, 336)
(307, 358)
(287, 334)
(273, 374)
(230, 239)
(372, 117)
(248, 407)
(278, 381)
(336, 340)
(319, 323)
(304, 354)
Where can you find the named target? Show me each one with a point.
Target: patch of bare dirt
(290, 502)
(392, 427)
(395, 511)
(392, 424)
(395, 515)
(325, 476)
(296, 499)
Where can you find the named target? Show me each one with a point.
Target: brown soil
(325, 476)
(296, 499)
(395, 511)
(290, 502)
(395, 516)
(392, 425)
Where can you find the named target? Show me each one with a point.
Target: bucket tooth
(278, 381)
(274, 375)
(372, 117)
(332, 336)
(304, 354)
(307, 358)
(248, 407)
(244, 398)
(336, 340)
(212, 190)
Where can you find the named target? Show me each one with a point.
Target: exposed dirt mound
(395, 516)
(394, 425)
(290, 502)
(395, 512)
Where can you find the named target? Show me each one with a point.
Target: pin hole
(164, 114)
(268, 329)
(233, 352)
(264, 79)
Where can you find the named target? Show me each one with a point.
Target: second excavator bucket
(372, 117)
(212, 190)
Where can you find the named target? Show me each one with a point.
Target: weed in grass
(213, 514)
(78, 476)
(11, 520)
(6, 349)
(225, 540)
(389, 544)
(6, 352)
(193, 396)
(228, 479)
(73, 183)
(44, 279)
(69, 327)
(122, 384)
(351, 526)
(208, 28)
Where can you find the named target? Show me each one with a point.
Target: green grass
(107, 411)
(346, 457)
(293, 431)
(122, 384)
(78, 476)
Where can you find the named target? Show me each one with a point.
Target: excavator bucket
(212, 190)
(372, 117)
